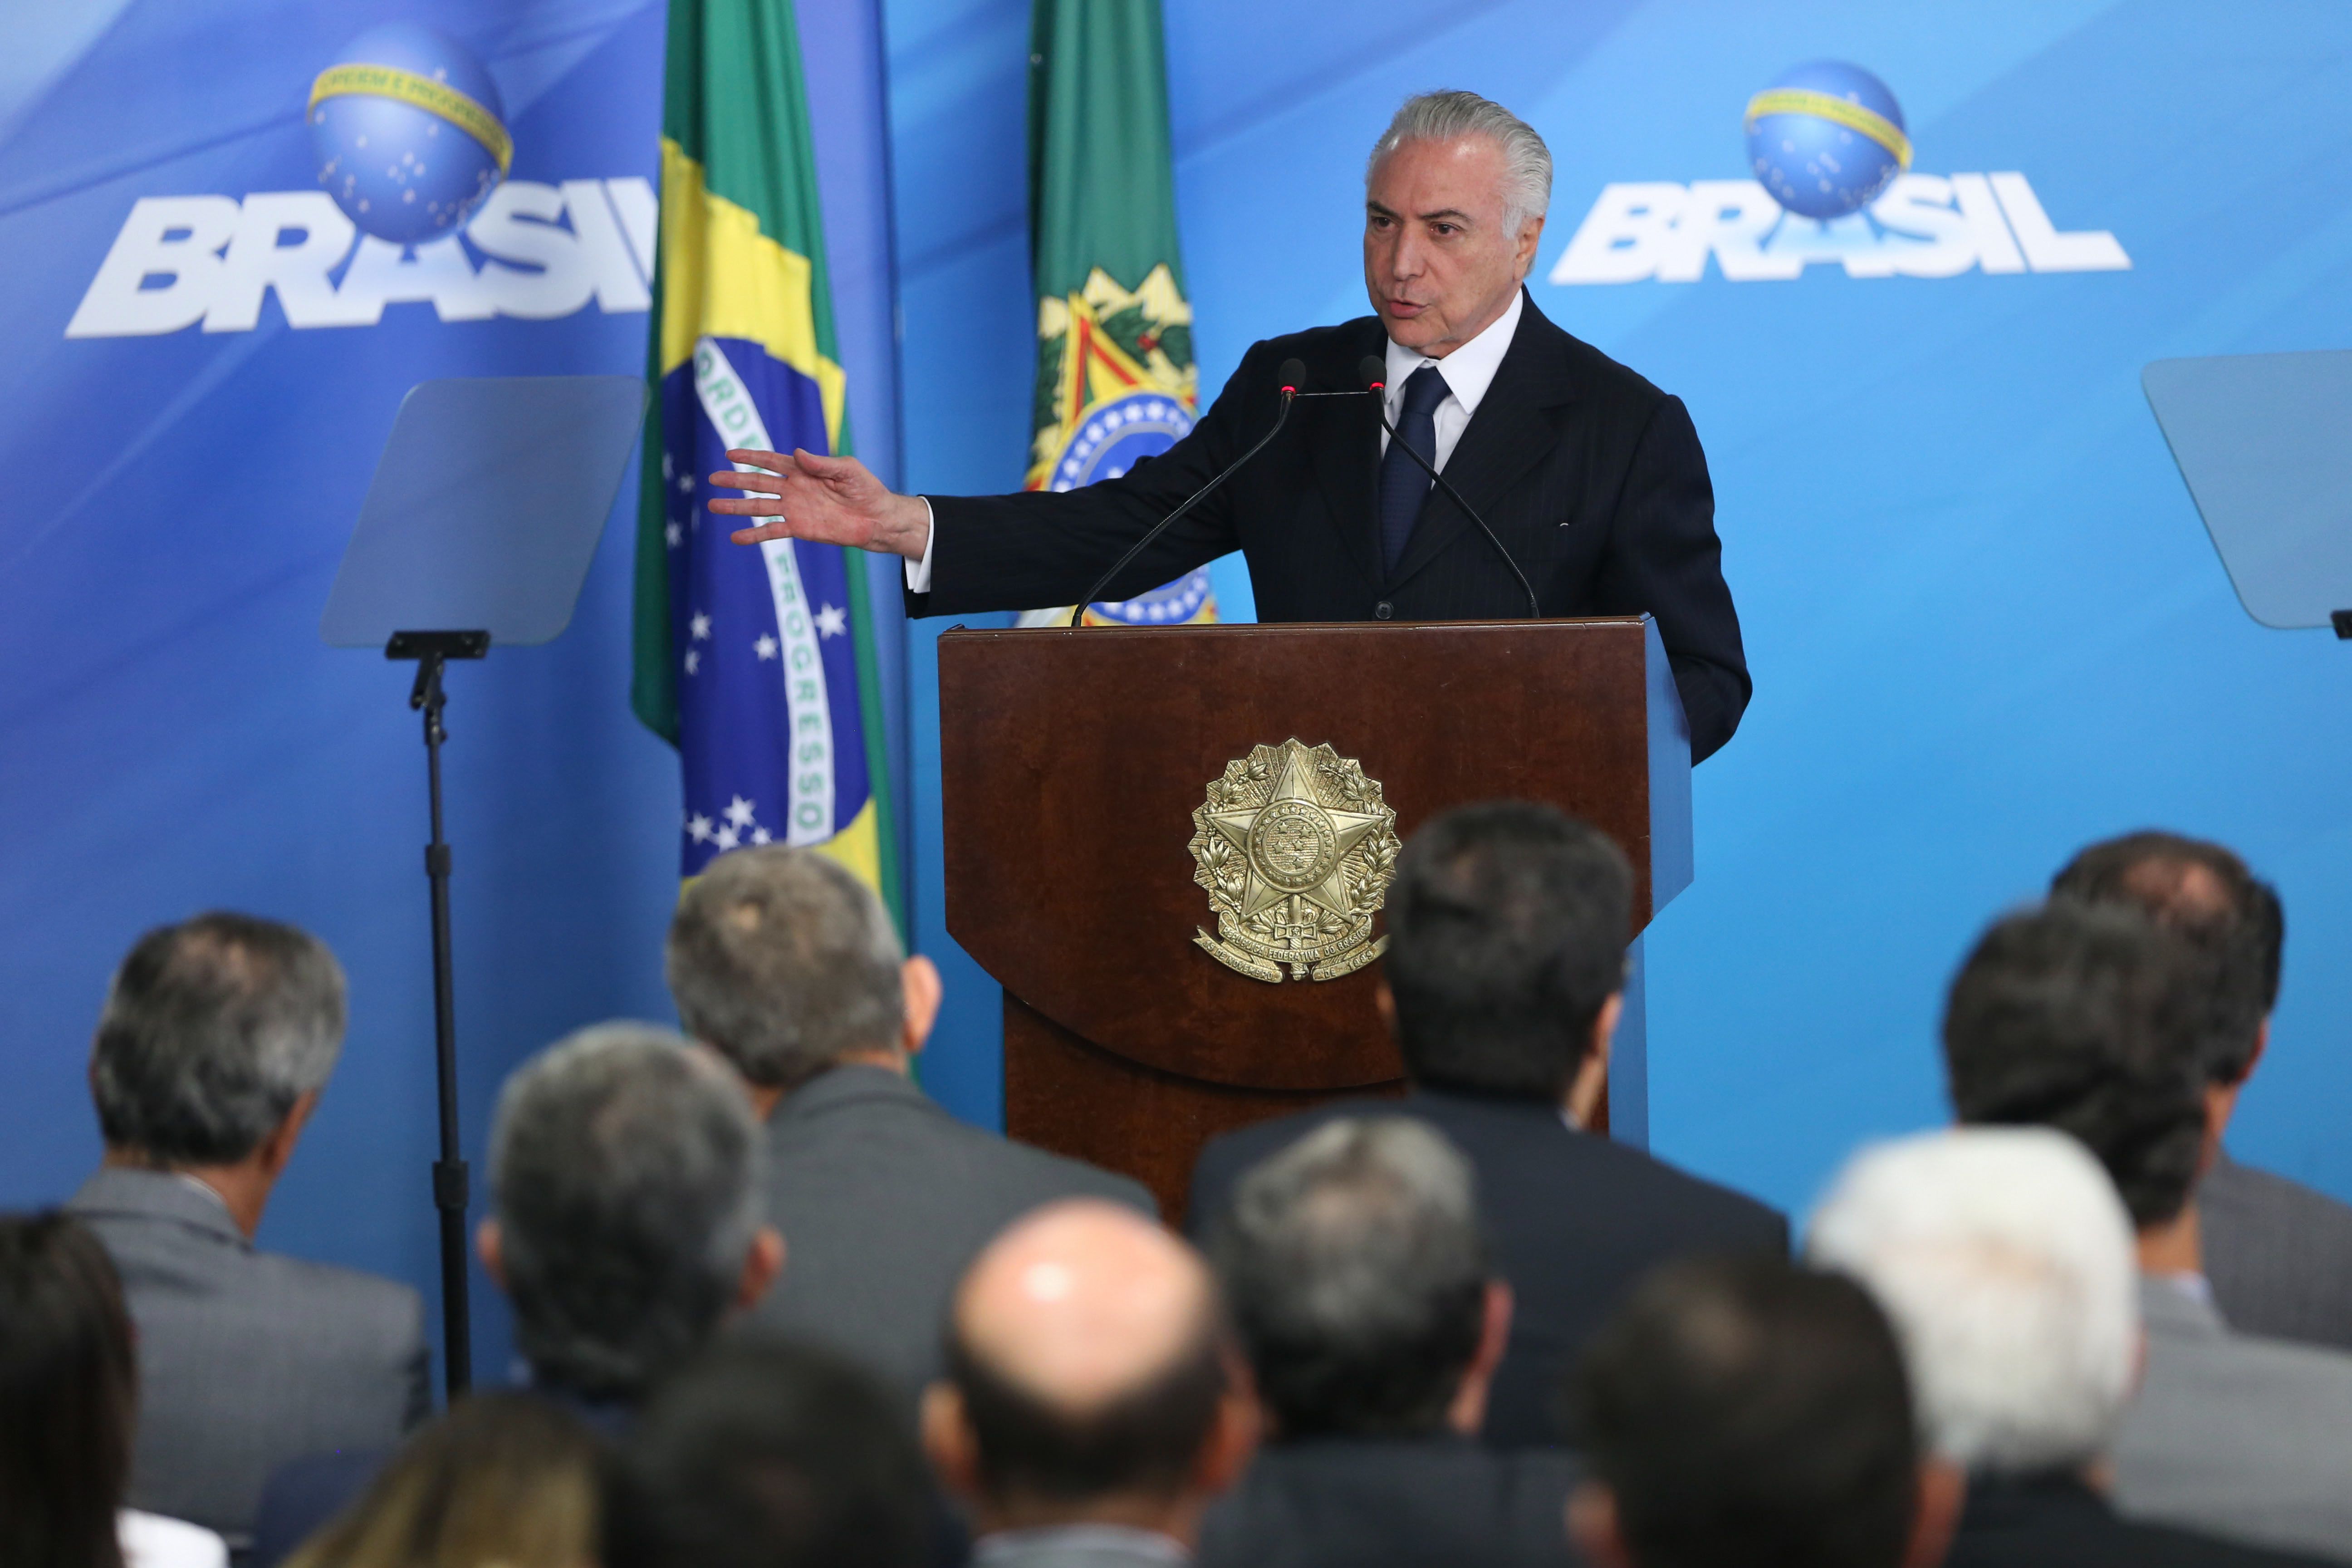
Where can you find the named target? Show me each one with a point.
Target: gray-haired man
(1361, 1293)
(218, 1035)
(788, 966)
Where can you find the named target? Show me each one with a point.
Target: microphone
(1287, 375)
(1375, 372)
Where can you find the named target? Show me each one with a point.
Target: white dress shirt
(1468, 371)
(151, 1541)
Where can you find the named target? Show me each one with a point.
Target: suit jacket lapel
(1517, 425)
(1345, 433)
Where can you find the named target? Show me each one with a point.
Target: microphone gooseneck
(1289, 374)
(1375, 370)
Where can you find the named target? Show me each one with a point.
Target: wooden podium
(1074, 760)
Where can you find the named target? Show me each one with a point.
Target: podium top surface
(486, 509)
(2262, 441)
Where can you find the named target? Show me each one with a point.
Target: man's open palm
(833, 500)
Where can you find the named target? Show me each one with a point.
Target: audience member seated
(2006, 1261)
(625, 1228)
(217, 1037)
(2277, 1254)
(1362, 1294)
(789, 968)
(1506, 959)
(68, 1400)
(1093, 1403)
(2093, 1020)
(1740, 1413)
(505, 1480)
(768, 1455)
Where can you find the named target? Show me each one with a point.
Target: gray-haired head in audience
(2004, 1259)
(1357, 1280)
(213, 1029)
(624, 1173)
(783, 961)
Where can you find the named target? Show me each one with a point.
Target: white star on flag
(675, 535)
(685, 484)
(726, 838)
(697, 827)
(766, 647)
(831, 622)
(738, 812)
(693, 659)
(701, 626)
(760, 835)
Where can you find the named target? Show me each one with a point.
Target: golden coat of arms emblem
(1297, 850)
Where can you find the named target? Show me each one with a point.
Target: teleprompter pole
(431, 649)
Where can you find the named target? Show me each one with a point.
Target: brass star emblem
(1297, 850)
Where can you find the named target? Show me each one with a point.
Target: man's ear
(948, 1440)
(1943, 1490)
(1592, 1526)
(760, 1267)
(1467, 1414)
(1235, 1436)
(276, 1146)
(490, 1245)
(1530, 240)
(1591, 1079)
(919, 977)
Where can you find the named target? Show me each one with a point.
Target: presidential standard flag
(1115, 375)
(757, 662)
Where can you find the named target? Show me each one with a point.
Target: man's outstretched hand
(834, 500)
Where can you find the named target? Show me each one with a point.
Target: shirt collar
(1110, 1539)
(1470, 369)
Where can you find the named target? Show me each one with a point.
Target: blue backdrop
(1984, 620)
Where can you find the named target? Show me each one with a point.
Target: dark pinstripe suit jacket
(1592, 477)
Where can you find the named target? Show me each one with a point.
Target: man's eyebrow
(1454, 215)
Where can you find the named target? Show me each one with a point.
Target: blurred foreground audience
(2094, 1021)
(217, 1037)
(68, 1401)
(1093, 1404)
(789, 966)
(1504, 981)
(766, 1455)
(1741, 1413)
(2277, 1254)
(505, 1478)
(1362, 1296)
(2006, 1261)
(626, 1227)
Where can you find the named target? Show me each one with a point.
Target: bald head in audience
(1089, 1379)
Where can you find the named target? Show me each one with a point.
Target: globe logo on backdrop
(1826, 139)
(410, 132)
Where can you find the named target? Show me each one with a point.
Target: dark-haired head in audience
(1506, 966)
(788, 966)
(623, 1177)
(1353, 1270)
(765, 1454)
(2090, 1019)
(1089, 1385)
(68, 1392)
(505, 1478)
(1746, 1413)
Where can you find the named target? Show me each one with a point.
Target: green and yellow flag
(1115, 375)
(760, 662)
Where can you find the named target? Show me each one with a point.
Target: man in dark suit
(788, 966)
(1360, 1292)
(2005, 1260)
(1506, 962)
(1592, 478)
(2277, 1254)
(217, 1037)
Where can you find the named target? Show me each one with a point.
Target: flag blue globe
(1826, 139)
(410, 132)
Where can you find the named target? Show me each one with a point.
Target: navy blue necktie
(1404, 484)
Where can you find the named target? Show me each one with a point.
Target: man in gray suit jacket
(218, 1035)
(2095, 1021)
(790, 968)
(2277, 1254)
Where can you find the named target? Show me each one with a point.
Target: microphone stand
(1535, 610)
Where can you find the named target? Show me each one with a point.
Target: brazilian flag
(1116, 382)
(758, 662)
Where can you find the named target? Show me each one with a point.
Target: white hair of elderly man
(2005, 1260)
